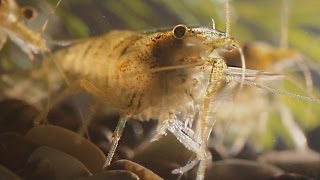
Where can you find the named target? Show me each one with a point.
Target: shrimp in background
(253, 106)
(252, 110)
(13, 26)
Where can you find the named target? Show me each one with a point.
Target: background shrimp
(106, 16)
(13, 26)
(285, 61)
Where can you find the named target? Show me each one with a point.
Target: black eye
(179, 31)
(29, 13)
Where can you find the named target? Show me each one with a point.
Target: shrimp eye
(179, 31)
(29, 13)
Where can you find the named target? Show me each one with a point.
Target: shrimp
(156, 76)
(12, 27)
(263, 57)
(143, 76)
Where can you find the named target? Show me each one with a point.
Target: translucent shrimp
(12, 26)
(158, 76)
(253, 107)
(152, 76)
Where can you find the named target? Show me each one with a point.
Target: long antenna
(228, 34)
(228, 18)
(276, 91)
(44, 26)
(284, 24)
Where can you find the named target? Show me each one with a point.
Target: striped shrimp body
(148, 71)
(147, 76)
(125, 64)
(159, 76)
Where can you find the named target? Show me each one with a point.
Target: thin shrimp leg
(115, 139)
(295, 131)
(241, 139)
(160, 131)
(206, 122)
(106, 94)
(183, 135)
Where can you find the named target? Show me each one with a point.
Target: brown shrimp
(144, 76)
(154, 76)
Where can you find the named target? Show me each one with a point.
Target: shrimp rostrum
(151, 76)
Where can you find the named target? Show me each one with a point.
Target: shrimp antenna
(284, 45)
(307, 76)
(170, 68)
(44, 26)
(213, 24)
(284, 24)
(277, 91)
(228, 18)
(228, 34)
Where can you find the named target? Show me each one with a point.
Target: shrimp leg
(296, 133)
(207, 122)
(115, 139)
